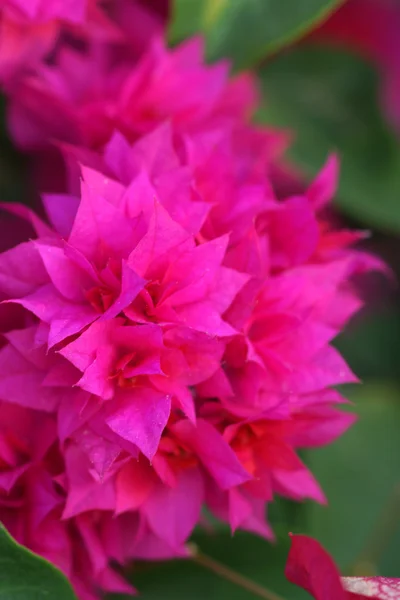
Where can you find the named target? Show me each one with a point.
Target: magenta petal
(154, 152)
(172, 513)
(107, 188)
(141, 417)
(74, 411)
(326, 369)
(44, 497)
(117, 155)
(83, 351)
(9, 478)
(227, 285)
(162, 236)
(85, 492)
(21, 270)
(180, 393)
(23, 340)
(131, 285)
(101, 453)
(298, 485)
(293, 231)
(239, 509)
(99, 223)
(320, 425)
(61, 210)
(146, 338)
(324, 186)
(65, 318)
(190, 356)
(203, 317)
(65, 275)
(95, 379)
(21, 382)
(309, 566)
(214, 452)
(135, 482)
(196, 270)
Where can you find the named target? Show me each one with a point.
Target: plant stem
(230, 575)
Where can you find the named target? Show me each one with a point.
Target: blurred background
(337, 88)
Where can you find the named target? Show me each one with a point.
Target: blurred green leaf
(329, 98)
(13, 176)
(371, 346)
(25, 576)
(358, 474)
(246, 30)
(247, 554)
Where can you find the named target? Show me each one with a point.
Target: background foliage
(330, 98)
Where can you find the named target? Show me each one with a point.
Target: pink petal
(21, 382)
(297, 485)
(61, 210)
(172, 513)
(216, 455)
(21, 270)
(195, 271)
(163, 235)
(100, 224)
(239, 509)
(131, 285)
(324, 186)
(309, 566)
(65, 318)
(141, 418)
(135, 482)
(69, 281)
(85, 492)
(203, 317)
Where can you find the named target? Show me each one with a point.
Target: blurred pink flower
(32, 32)
(94, 95)
(310, 567)
(28, 30)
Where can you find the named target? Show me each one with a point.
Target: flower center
(100, 298)
(177, 455)
(122, 372)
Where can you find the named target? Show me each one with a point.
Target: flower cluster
(33, 32)
(167, 329)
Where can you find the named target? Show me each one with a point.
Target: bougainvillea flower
(174, 312)
(311, 567)
(145, 346)
(31, 31)
(28, 30)
(96, 95)
(72, 10)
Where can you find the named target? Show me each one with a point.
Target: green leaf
(358, 474)
(25, 576)
(245, 553)
(371, 345)
(329, 98)
(246, 31)
(13, 166)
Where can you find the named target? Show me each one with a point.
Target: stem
(381, 534)
(230, 575)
